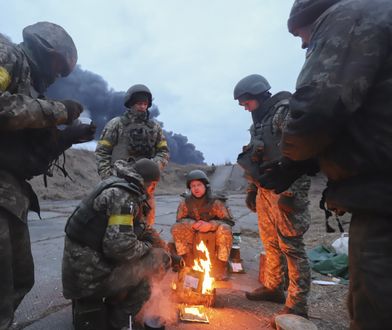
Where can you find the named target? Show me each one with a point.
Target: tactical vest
(29, 152)
(200, 209)
(264, 130)
(138, 140)
(86, 225)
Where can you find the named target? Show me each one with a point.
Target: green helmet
(196, 175)
(147, 169)
(305, 12)
(253, 84)
(136, 93)
(44, 39)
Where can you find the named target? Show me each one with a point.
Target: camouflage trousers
(370, 264)
(126, 286)
(17, 268)
(271, 219)
(183, 236)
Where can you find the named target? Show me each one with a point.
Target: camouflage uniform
(210, 209)
(341, 113)
(21, 117)
(282, 218)
(132, 135)
(115, 261)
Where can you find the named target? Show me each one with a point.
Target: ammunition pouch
(251, 168)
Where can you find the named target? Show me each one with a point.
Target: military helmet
(135, 92)
(305, 12)
(196, 175)
(147, 169)
(44, 39)
(253, 84)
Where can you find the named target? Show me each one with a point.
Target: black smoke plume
(103, 104)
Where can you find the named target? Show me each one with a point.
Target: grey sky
(190, 53)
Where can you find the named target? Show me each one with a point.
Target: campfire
(195, 286)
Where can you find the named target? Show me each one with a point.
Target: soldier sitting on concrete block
(203, 212)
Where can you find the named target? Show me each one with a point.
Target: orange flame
(204, 266)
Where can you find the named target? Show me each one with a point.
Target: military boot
(287, 310)
(263, 293)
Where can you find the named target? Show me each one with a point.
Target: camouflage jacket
(206, 208)
(22, 117)
(85, 269)
(341, 110)
(19, 106)
(131, 135)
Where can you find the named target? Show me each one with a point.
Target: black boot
(263, 293)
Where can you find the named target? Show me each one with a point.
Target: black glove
(79, 133)
(148, 235)
(251, 200)
(280, 175)
(177, 262)
(74, 109)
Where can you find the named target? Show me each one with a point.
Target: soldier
(201, 211)
(109, 252)
(282, 218)
(341, 114)
(133, 135)
(29, 143)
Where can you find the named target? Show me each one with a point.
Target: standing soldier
(109, 252)
(133, 136)
(341, 114)
(29, 143)
(282, 218)
(201, 211)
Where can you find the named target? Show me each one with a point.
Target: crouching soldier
(110, 256)
(203, 212)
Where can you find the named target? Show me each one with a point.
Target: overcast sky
(190, 53)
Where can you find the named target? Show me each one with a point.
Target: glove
(147, 236)
(79, 133)
(202, 226)
(250, 200)
(280, 175)
(74, 109)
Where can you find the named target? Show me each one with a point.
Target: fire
(204, 266)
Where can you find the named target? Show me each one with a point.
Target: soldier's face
(141, 106)
(304, 33)
(151, 188)
(198, 189)
(250, 105)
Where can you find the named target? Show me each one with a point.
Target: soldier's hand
(79, 133)
(148, 235)
(250, 200)
(74, 109)
(202, 226)
(279, 176)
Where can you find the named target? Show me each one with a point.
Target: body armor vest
(200, 209)
(29, 152)
(86, 225)
(264, 130)
(137, 140)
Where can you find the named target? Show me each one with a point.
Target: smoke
(160, 308)
(103, 104)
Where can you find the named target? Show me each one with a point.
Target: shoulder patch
(5, 79)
